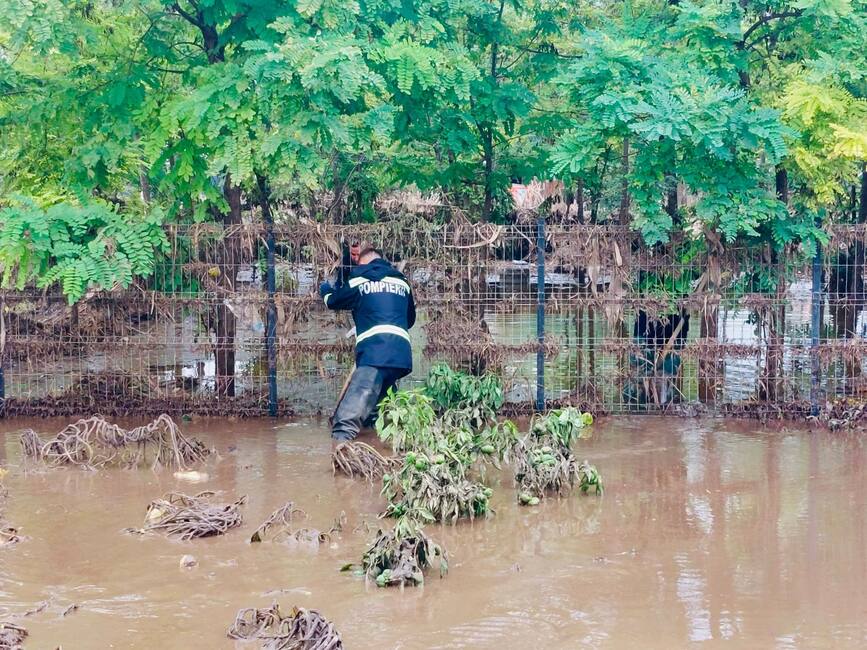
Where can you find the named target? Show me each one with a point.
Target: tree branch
(187, 16)
(764, 20)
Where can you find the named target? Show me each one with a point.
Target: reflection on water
(708, 531)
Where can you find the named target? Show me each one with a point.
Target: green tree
(461, 77)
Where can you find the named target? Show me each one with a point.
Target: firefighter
(383, 310)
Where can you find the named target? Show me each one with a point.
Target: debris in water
(31, 444)
(402, 555)
(188, 562)
(360, 459)
(589, 478)
(11, 636)
(40, 607)
(278, 527)
(303, 629)
(72, 608)
(192, 476)
(189, 517)
(9, 536)
(278, 523)
(94, 443)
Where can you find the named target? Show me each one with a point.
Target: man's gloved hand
(325, 288)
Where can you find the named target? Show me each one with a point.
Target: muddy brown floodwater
(708, 531)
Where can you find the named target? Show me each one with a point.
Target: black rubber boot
(389, 381)
(359, 401)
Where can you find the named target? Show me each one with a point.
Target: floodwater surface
(707, 532)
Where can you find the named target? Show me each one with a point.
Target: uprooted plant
(445, 429)
(278, 523)
(401, 555)
(434, 488)
(94, 443)
(302, 629)
(186, 517)
(279, 527)
(356, 458)
(544, 462)
(11, 636)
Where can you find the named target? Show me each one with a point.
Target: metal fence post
(815, 331)
(271, 311)
(540, 313)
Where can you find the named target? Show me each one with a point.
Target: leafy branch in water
(405, 419)
(544, 461)
(402, 555)
(446, 429)
(434, 489)
(452, 389)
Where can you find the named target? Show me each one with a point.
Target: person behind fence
(384, 311)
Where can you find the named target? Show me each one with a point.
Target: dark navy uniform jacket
(383, 310)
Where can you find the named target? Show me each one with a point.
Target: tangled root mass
(186, 517)
(12, 636)
(303, 629)
(95, 443)
(360, 459)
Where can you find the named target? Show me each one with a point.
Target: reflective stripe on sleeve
(326, 297)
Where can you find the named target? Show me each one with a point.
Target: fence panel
(625, 328)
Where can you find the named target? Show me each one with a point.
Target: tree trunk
(591, 344)
(620, 327)
(708, 368)
(624, 193)
(862, 206)
(488, 148)
(270, 286)
(225, 325)
(671, 198)
(709, 365)
(846, 289)
(579, 201)
(777, 311)
(145, 186)
(487, 132)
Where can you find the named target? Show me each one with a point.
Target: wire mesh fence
(576, 314)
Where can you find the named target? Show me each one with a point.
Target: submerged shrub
(544, 462)
(401, 555)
